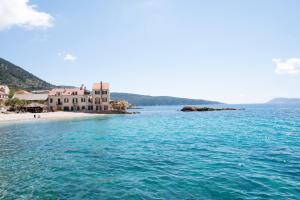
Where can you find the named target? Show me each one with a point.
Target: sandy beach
(23, 117)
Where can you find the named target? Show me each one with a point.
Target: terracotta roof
(97, 86)
(66, 91)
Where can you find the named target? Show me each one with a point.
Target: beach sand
(24, 117)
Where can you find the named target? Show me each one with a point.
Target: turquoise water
(160, 154)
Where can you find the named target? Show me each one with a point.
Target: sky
(230, 51)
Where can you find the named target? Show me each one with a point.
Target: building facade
(4, 93)
(101, 97)
(5, 89)
(79, 99)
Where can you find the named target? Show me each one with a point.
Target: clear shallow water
(160, 154)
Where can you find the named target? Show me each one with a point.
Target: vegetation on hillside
(145, 100)
(17, 78)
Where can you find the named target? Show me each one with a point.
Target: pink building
(80, 99)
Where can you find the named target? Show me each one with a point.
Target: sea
(161, 153)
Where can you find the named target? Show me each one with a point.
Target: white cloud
(67, 56)
(291, 66)
(20, 13)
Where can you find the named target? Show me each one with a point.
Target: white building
(4, 93)
(4, 88)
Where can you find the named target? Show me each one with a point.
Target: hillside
(284, 101)
(146, 100)
(17, 78)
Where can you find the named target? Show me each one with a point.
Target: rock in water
(203, 109)
(189, 108)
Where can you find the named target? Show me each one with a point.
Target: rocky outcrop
(203, 109)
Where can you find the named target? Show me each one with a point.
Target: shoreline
(29, 117)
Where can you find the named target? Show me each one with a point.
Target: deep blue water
(160, 154)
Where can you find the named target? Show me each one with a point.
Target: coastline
(29, 117)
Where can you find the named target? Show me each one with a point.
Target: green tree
(15, 104)
(11, 94)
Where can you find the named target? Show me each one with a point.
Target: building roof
(66, 91)
(31, 97)
(22, 92)
(40, 91)
(97, 86)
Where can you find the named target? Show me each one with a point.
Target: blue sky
(232, 51)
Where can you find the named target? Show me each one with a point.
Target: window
(51, 100)
(66, 100)
(83, 107)
(90, 100)
(104, 99)
(66, 108)
(104, 92)
(75, 100)
(82, 99)
(74, 93)
(97, 92)
(105, 107)
(97, 100)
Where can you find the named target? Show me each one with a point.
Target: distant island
(16, 78)
(284, 101)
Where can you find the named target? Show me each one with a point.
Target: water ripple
(160, 154)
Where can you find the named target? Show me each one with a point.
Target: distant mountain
(146, 100)
(17, 78)
(284, 101)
